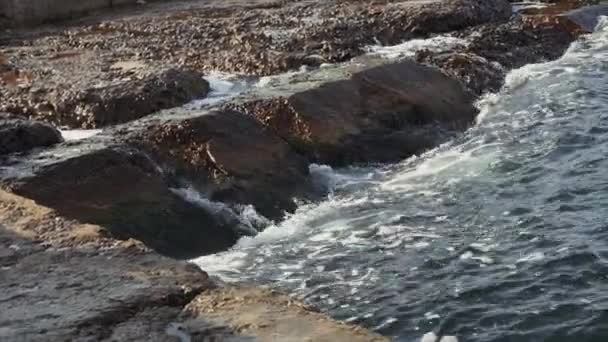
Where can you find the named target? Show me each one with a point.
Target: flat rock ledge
(128, 90)
(66, 281)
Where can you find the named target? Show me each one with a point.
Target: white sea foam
(269, 81)
(602, 24)
(78, 134)
(523, 5)
(410, 47)
(248, 218)
(319, 226)
(432, 337)
(533, 257)
(223, 87)
(378, 217)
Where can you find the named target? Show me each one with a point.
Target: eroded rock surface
(65, 92)
(80, 264)
(494, 50)
(121, 67)
(65, 281)
(384, 113)
(231, 158)
(135, 180)
(122, 190)
(270, 316)
(17, 135)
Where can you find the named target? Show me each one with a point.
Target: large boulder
(231, 158)
(17, 135)
(121, 189)
(381, 114)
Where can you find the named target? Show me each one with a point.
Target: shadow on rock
(122, 190)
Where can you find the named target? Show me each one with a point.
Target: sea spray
(244, 218)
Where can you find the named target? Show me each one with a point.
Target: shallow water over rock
(499, 235)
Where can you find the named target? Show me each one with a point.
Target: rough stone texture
(65, 281)
(239, 159)
(275, 36)
(536, 35)
(64, 273)
(368, 114)
(83, 287)
(231, 158)
(126, 91)
(384, 113)
(496, 49)
(122, 190)
(270, 316)
(18, 135)
(76, 76)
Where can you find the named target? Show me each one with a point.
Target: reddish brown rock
(381, 114)
(231, 158)
(96, 101)
(122, 190)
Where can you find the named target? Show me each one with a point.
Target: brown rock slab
(122, 190)
(128, 91)
(384, 113)
(266, 315)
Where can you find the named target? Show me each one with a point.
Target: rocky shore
(84, 223)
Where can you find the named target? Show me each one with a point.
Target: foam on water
(410, 47)
(270, 81)
(499, 215)
(523, 5)
(223, 87)
(79, 134)
(250, 221)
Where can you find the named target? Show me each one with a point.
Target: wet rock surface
(136, 183)
(586, 19)
(232, 158)
(494, 50)
(256, 150)
(535, 35)
(65, 281)
(123, 190)
(18, 135)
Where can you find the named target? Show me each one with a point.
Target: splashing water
(499, 235)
